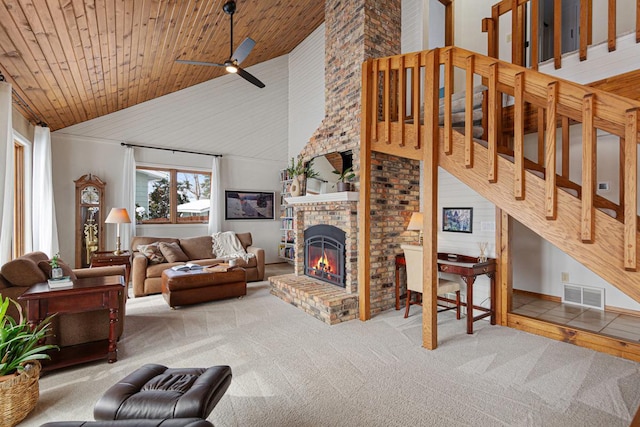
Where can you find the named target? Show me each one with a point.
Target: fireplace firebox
(324, 253)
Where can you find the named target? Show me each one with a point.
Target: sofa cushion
(152, 252)
(172, 252)
(197, 247)
(146, 240)
(23, 271)
(45, 266)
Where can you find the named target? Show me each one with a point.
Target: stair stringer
(604, 256)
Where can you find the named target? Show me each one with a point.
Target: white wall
(217, 126)
(452, 193)
(306, 91)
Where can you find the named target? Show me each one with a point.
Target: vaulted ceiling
(73, 60)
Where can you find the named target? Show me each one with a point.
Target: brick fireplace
(354, 31)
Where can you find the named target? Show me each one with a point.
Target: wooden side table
(108, 258)
(88, 294)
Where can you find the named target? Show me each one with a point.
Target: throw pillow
(173, 252)
(152, 252)
(45, 266)
(23, 272)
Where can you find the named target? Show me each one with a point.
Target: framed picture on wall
(459, 220)
(248, 204)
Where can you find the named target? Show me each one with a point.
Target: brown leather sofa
(146, 277)
(20, 274)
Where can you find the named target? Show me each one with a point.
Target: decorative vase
(343, 186)
(56, 273)
(19, 394)
(296, 186)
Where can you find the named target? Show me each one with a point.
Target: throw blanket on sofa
(226, 245)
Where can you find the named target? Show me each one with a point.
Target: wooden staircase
(394, 101)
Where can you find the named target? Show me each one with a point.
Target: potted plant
(298, 171)
(20, 349)
(344, 179)
(56, 270)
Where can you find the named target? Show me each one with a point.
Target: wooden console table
(468, 268)
(87, 294)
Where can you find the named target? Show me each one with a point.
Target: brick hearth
(323, 301)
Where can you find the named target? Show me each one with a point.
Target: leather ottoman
(193, 287)
(157, 392)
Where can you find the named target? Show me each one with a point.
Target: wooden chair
(413, 258)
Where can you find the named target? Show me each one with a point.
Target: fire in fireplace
(324, 253)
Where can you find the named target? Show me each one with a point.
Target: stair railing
(397, 119)
(518, 26)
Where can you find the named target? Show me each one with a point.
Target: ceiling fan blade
(250, 77)
(208, 64)
(243, 50)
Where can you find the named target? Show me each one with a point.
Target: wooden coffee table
(87, 294)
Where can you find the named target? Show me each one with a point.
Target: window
(171, 196)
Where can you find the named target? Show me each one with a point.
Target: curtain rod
(175, 150)
(17, 99)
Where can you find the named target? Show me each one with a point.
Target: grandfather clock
(89, 218)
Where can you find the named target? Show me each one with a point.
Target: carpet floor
(290, 369)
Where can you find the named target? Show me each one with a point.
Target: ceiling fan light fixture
(231, 68)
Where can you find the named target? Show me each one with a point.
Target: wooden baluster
(535, 9)
(550, 157)
(387, 101)
(630, 189)
(588, 169)
(611, 39)
(541, 128)
(584, 24)
(557, 29)
(402, 82)
(415, 96)
(448, 90)
(493, 123)
(375, 107)
(518, 136)
(565, 147)
(468, 122)
(637, 21)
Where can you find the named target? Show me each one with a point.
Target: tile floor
(607, 323)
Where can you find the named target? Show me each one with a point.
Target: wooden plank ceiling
(74, 60)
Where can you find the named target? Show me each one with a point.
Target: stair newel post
(375, 96)
(492, 123)
(588, 169)
(415, 99)
(518, 137)
(430, 199)
(630, 143)
(468, 122)
(550, 155)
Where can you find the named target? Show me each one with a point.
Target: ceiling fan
(232, 65)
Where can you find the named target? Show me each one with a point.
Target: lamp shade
(118, 216)
(415, 223)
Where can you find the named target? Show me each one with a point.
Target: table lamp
(118, 216)
(415, 223)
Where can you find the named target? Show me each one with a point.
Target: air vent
(585, 296)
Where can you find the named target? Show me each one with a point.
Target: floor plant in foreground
(19, 343)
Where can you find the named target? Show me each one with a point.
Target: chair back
(415, 264)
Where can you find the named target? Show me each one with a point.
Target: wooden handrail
(516, 8)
